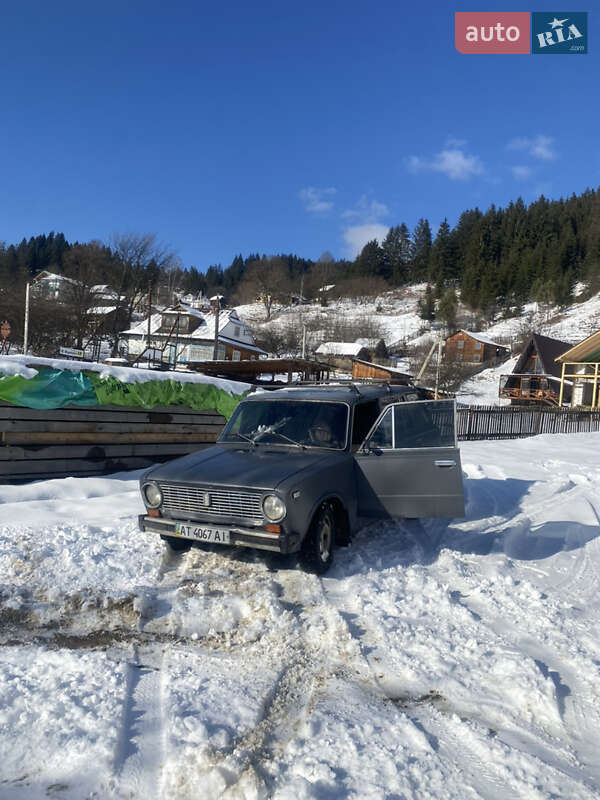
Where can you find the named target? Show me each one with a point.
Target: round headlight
(152, 495)
(274, 508)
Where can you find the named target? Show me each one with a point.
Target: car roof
(353, 393)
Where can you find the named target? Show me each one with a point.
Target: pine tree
(427, 305)
(421, 250)
(447, 307)
(371, 260)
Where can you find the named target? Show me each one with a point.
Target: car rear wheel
(317, 549)
(176, 545)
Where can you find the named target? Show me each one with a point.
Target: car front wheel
(317, 549)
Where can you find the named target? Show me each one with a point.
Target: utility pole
(437, 369)
(176, 342)
(216, 309)
(303, 341)
(26, 327)
(149, 318)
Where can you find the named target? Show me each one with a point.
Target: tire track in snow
(140, 753)
(257, 756)
(574, 696)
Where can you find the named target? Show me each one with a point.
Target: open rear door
(409, 464)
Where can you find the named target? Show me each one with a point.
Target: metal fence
(515, 422)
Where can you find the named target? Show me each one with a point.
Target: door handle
(445, 463)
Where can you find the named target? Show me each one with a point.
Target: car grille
(222, 502)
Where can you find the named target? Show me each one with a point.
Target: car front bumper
(239, 537)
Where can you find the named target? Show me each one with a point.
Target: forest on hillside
(497, 259)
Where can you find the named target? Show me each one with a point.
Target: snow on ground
(395, 313)
(572, 324)
(482, 388)
(435, 660)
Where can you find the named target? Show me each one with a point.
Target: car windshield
(296, 422)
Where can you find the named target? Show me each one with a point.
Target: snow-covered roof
(206, 330)
(44, 275)
(105, 289)
(340, 348)
(99, 311)
(479, 337)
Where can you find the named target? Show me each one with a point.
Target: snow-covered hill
(395, 315)
(435, 660)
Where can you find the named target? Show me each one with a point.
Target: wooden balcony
(528, 389)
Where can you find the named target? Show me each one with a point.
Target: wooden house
(362, 369)
(536, 376)
(580, 369)
(473, 348)
(340, 354)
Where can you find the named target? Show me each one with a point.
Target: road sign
(70, 351)
(5, 329)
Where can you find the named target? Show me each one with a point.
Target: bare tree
(267, 280)
(86, 265)
(137, 262)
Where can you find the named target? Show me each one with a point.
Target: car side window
(383, 435)
(415, 425)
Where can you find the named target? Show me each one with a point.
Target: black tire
(176, 545)
(316, 554)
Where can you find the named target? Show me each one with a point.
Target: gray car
(301, 469)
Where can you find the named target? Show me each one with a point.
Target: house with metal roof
(580, 366)
(185, 335)
(535, 378)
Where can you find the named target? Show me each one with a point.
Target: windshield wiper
(242, 436)
(283, 436)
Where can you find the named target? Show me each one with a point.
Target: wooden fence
(515, 422)
(90, 441)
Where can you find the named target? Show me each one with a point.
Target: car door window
(415, 424)
(382, 436)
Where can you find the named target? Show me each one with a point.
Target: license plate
(201, 533)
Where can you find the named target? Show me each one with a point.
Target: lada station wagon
(301, 469)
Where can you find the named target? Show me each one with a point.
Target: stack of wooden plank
(81, 441)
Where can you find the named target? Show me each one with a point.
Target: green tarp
(53, 388)
(164, 393)
(50, 388)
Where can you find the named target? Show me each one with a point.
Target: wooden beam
(18, 437)
(12, 455)
(562, 385)
(43, 426)
(158, 415)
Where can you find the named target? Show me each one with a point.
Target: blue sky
(276, 127)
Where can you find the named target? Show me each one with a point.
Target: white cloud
(452, 161)
(366, 210)
(366, 216)
(521, 173)
(316, 200)
(540, 146)
(356, 237)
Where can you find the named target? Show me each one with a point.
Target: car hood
(257, 468)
